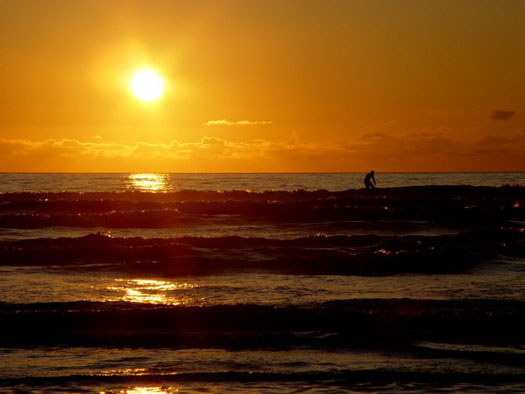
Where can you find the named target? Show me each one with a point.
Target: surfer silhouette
(368, 180)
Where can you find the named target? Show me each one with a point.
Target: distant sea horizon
(256, 182)
(260, 172)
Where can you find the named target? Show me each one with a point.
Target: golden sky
(263, 86)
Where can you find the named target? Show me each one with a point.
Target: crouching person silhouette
(368, 180)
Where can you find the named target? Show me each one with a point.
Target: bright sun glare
(146, 85)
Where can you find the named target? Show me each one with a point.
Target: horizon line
(266, 173)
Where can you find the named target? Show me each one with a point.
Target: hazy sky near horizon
(296, 85)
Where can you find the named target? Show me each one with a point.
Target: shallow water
(501, 280)
(163, 372)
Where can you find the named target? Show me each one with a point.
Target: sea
(262, 283)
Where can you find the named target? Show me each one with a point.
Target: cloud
(502, 115)
(208, 154)
(382, 151)
(224, 122)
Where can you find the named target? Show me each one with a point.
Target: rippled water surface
(262, 283)
(27, 285)
(17, 182)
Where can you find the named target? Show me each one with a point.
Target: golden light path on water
(149, 182)
(151, 291)
(147, 390)
(143, 390)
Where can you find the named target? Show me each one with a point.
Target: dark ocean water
(262, 283)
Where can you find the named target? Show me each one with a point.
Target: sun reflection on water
(144, 390)
(149, 182)
(124, 371)
(151, 291)
(147, 390)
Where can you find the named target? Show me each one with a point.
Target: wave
(423, 192)
(319, 255)
(450, 205)
(366, 324)
(340, 379)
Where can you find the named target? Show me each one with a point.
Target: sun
(146, 85)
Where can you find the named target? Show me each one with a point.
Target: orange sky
(264, 86)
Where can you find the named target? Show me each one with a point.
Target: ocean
(262, 283)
